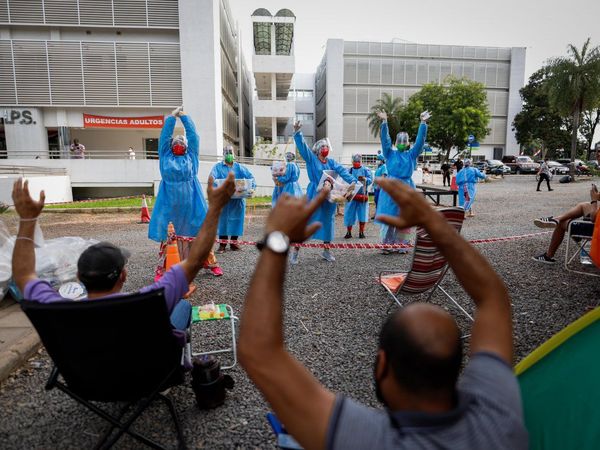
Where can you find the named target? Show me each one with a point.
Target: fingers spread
(42, 197)
(393, 221)
(312, 229)
(317, 201)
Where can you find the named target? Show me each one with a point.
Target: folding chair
(227, 313)
(580, 232)
(428, 266)
(112, 350)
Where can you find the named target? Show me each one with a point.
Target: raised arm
(296, 396)
(492, 329)
(192, 136)
(23, 259)
(164, 142)
(202, 245)
(303, 149)
(386, 141)
(417, 149)
(344, 173)
(288, 175)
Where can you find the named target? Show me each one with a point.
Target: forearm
(261, 330)
(203, 244)
(386, 141)
(23, 260)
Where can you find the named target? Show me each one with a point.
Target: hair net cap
(357, 157)
(180, 138)
(320, 144)
(467, 162)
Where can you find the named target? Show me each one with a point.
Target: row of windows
(306, 117)
(426, 51)
(137, 13)
(360, 100)
(356, 130)
(230, 121)
(89, 73)
(301, 93)
(417, 73)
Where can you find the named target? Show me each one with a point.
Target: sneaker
(217, 271)
(327, 256)
(221, 249)
(294, 257)
(544, 259)
(546, 222)
(361, 235)
(386, 251)
(234, 247)
(348, 235)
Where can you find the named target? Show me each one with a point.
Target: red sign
(91, 121)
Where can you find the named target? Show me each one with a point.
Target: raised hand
(297, 126)
(425, 116)
(414, 210)
(291, 215)
(27, 208)
(177, 112)
(382, 115)
(219, 197)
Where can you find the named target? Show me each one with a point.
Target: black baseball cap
(100, 265)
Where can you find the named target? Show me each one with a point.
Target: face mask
(356, 165)
(178, 149)
(229, 158)
(324, 152)
(401, 147)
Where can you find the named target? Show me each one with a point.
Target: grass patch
(130, 202)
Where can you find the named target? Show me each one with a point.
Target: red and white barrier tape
(368, 246)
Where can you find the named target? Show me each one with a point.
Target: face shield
(322, 148)
(179, 145)
(402, 141)
(356, 161)
(467, 162)
(290, 156)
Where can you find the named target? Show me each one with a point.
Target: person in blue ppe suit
(180, 198)
(380, 172)
(316, 162)
(401, 162)
(231, 221)
(358, 208)
(287, 183)
(466, 180)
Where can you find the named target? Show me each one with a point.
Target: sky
(544, 27)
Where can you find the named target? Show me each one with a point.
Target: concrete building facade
(106, 71)
(353, 75)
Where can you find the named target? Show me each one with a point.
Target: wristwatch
(275, 241)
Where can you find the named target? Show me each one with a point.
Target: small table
(430, 191)
(225, 313)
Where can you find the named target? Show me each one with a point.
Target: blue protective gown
(180, 199)
(380, 172)
(358, 211)
(467, 179)
(314, 166)
(289, 181)
(231, 220)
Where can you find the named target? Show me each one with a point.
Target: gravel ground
(333, 313)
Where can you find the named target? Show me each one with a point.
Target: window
(301, 93)
(305, 117)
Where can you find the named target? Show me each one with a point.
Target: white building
(107, 71)
(353, 75)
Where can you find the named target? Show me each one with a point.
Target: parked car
(481, 165)
(520, 164)
(557, 168)
(495, 167)
(580, 166)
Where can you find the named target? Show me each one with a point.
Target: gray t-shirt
(489, 415)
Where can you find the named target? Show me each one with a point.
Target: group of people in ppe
(181, 201)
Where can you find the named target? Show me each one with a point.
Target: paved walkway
(18, 339)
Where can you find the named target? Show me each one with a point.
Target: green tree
(392, 107)
(591, 119)
(539, 124)
(458, 108)
(574, 85)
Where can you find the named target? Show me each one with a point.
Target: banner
(91, 121)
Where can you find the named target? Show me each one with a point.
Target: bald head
(423, 347)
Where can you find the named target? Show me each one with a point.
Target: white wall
(515, 105)
(56, 188)
(335, 93)
(109, 139)
(26, 136)
(273, 64)
(274, 108)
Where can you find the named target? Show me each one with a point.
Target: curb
(17, 354)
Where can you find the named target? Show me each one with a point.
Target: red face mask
(178, 149)
(356, 165)
(324, 152)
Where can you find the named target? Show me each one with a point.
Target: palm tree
(574, 85)
(391, 106)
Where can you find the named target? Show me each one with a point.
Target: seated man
(101, 267)
(561, 224)
(419, 357)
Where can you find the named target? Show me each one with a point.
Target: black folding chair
(112, 350)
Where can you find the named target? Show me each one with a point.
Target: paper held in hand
(340, 190)
(243, 187)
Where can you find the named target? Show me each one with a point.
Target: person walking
(445, 173)
(544, 174)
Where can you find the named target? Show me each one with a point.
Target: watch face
(277, 242)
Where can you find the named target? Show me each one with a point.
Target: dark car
(481, 165)
(520, 164)
(495, 167)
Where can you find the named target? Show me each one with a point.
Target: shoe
(546, 222)
(544, 259)
(538, 190)
(386, 251)
(550, 190)
(327, 256)
(217, 271)
(221, 249)
(348, 235)
(361, 235)
(234, 247)
(294, 257)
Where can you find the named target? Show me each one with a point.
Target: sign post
(470, 140)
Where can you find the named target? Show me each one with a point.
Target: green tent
(560, 387)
